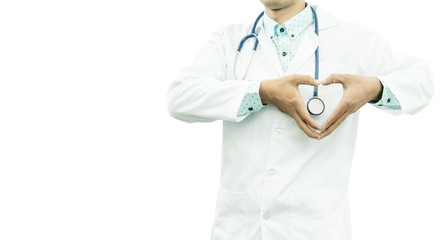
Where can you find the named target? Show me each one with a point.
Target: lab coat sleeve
(408, 77)
(201, 92)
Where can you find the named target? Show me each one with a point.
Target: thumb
(305, 79)
(333, 78)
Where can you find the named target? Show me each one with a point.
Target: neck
(284, 13)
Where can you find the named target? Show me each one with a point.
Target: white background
(88, 150)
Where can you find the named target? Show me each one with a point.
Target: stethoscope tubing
(254, 35)
(317, 53)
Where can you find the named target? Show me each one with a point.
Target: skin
(284, 93)
(283, 10)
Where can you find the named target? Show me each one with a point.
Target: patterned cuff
(252, 101)
(388, 99)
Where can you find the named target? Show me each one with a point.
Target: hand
(357, 91)
(285, 95)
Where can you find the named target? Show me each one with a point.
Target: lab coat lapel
(267, 47)
(306, 49)
(311, 41)
(325, 20)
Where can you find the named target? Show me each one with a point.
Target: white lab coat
(276, 183)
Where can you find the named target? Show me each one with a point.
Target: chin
(276, 4)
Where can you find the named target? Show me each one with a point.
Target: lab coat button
(266, 215)
(271, 172)
(279, 130)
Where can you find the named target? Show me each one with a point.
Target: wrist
(378, 90)
(263, 92)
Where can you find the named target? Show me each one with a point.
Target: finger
(334, 78)
(305, 128)
(304, 79)
(303, 113)
(335, 125)
(338, 112)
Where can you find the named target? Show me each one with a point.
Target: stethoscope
(315, 105)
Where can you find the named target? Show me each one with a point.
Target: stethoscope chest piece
(315, 106)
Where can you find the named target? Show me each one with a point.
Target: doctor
(285, 171)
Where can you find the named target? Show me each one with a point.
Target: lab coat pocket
(230, 222)
(319, 214)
